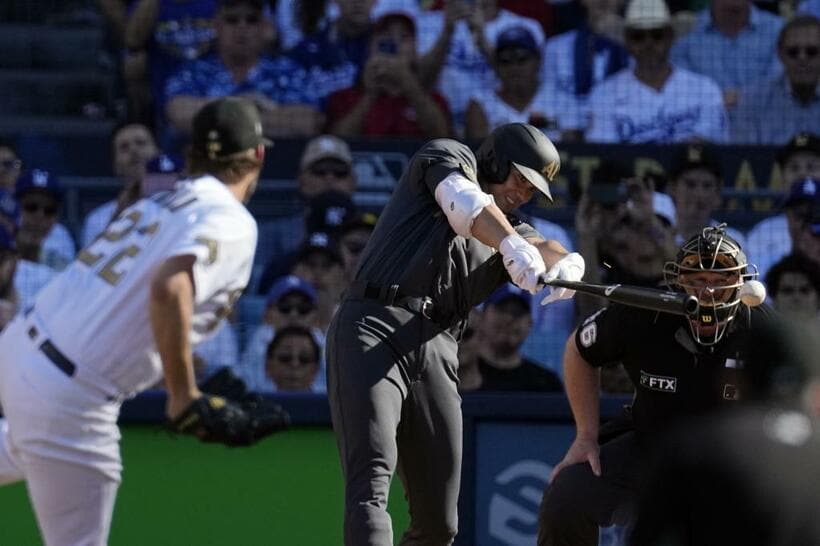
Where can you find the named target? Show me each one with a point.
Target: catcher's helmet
(716, 252)
(523, 146)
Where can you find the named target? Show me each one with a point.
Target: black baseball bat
(664, 301)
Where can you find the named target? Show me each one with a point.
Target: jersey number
(111, 272)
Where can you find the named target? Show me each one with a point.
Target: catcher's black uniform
(674, 377)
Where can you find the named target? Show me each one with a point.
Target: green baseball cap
(227, 126)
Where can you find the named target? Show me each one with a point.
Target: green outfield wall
(176, 491)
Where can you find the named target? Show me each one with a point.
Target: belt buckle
(427, 308)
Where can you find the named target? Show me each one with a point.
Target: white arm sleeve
(461, 200)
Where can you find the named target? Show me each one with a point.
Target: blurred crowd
(596, 70)
(331, 71)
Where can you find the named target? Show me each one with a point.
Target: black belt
(392, 295)
(53, 353)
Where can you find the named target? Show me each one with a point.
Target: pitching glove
(569, 268)
(523, 262)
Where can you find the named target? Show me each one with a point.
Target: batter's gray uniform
(391, 354)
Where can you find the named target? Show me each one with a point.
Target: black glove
(227, 413)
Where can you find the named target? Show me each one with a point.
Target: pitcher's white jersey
(96, 312)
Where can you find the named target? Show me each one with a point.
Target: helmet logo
(706, 318)
(550, 170)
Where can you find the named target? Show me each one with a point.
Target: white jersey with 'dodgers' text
(96, 311)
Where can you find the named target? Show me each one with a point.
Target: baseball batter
(680, 368)
(391, 347)
(118, 318)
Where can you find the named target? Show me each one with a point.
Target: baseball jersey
(674, 377)
(624, 110)
(414, 246)
(96, 311)
(550, 109)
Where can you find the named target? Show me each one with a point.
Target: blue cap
(163, 164)
(9, 208)
(287, 284)
(38, 180)
(807, 189)
(507, 291)
(517, 36)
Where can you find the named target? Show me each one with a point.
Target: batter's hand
(569, 268)
(582, 450)
(523, 262)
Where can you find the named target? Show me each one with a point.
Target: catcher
(124, 313)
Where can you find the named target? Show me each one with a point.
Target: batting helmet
(711, 251)
(524, 147)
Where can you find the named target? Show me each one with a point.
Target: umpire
(391, 347)
(680, 367)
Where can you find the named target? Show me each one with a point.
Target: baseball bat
(664, 301)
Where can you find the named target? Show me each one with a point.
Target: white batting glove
(569, 268)
(523, 262)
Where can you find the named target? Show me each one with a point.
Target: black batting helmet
(523, 146)
(716, 252)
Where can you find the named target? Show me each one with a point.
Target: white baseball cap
(647, 14)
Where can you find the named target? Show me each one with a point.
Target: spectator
(809, 7)
(504, 324)
(277, 85)
(793, 284)
(577, 60)
(600, 208)
(40, 196)
(161, 36)
(326, 165)
(389, 99)
(351, 238)
(773, 111)
(455, 48)
(772, 238)
(9, 298)
(521, 95)
(335, 53)
(10, 165)
(800, 158)
(298, 19)
(733, 43)
(695, 187)
(319, 263)
(58, 248)
(291, 302)
(655, 101)
(292, 363)
(132, 146)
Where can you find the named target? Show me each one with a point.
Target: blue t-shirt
(280, 79)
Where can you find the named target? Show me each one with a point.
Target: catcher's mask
(712, 267)
(523, 146)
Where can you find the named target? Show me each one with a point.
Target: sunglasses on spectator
(811, 52)
(236, 19)
(301, 309)
(48, 210)
(287, 359)
(336, 172)
(514, 56)
(11, 164)
(638, 35)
